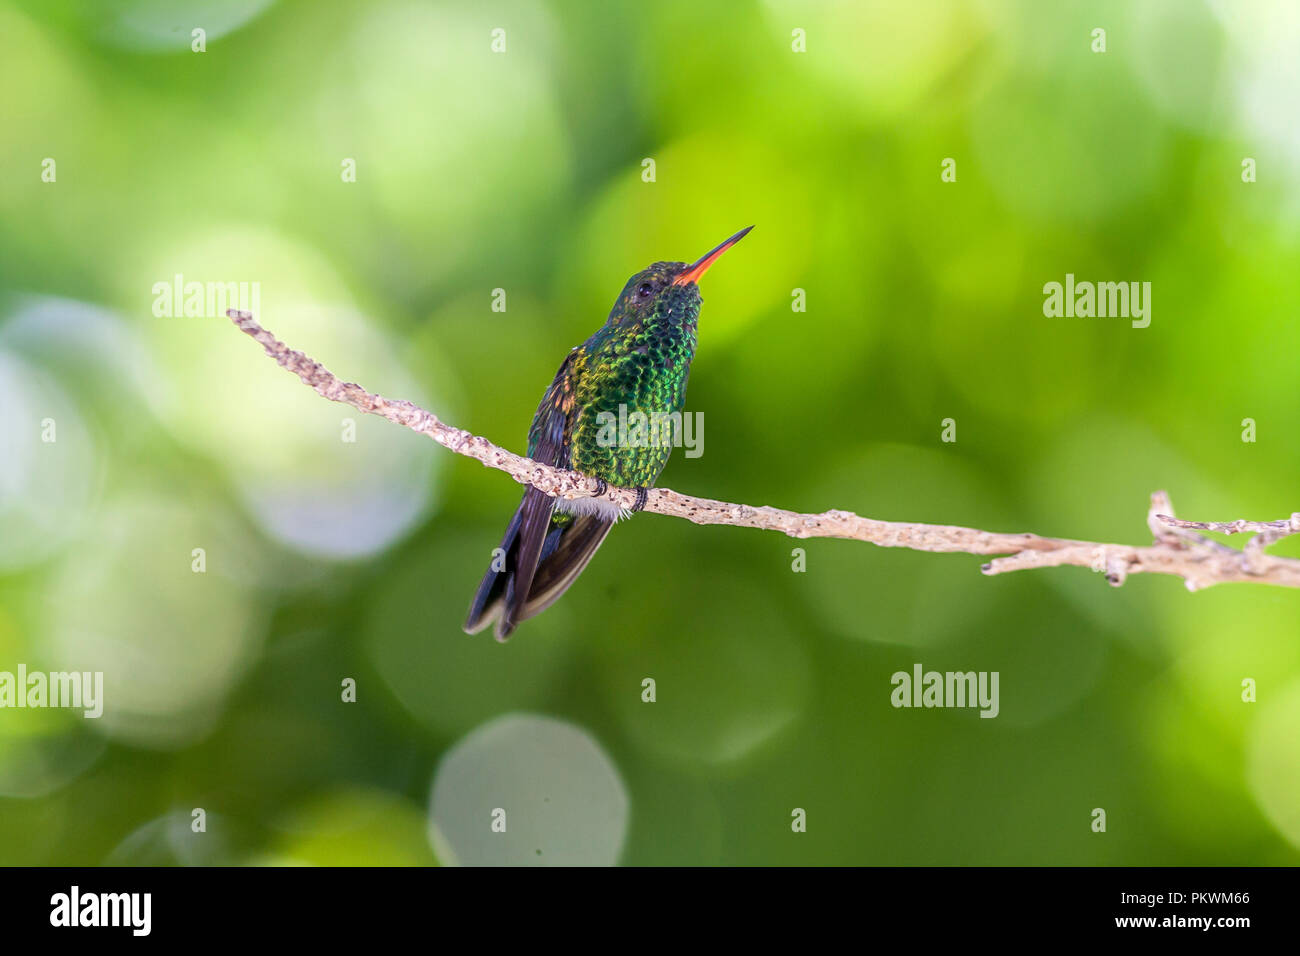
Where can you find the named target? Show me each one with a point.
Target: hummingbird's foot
(642, 493)
(601, 488)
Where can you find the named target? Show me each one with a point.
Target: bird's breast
(623, 426)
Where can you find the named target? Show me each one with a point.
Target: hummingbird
(638, 361)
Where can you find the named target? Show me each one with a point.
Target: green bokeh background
(522, 170)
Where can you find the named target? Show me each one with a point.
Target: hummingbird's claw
(602, 488)
(642, 493)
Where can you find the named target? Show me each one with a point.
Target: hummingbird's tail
(541, 554)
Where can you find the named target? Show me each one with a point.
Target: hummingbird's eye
(644, 290)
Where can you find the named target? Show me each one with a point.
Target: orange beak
(693, 273)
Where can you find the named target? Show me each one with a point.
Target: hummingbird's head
(668, 290)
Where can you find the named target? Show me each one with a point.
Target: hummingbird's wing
(500, 595)
(546, 443)
(490, 596)
(503, 595)
(564, 561)
(534, 522)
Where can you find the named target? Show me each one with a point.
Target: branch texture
(1178, 549)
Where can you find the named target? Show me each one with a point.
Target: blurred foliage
(521, 170)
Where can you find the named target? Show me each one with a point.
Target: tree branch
(1178, 550)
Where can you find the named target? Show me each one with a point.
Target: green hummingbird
(638, 361)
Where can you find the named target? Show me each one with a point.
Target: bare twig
(1177, 550)
(1264, 533)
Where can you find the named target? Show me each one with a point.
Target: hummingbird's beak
(693, 273)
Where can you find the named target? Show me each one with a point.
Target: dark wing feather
(487, 604)
(547, 443)
(535, 522)
(502, 595)
(578, 542)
